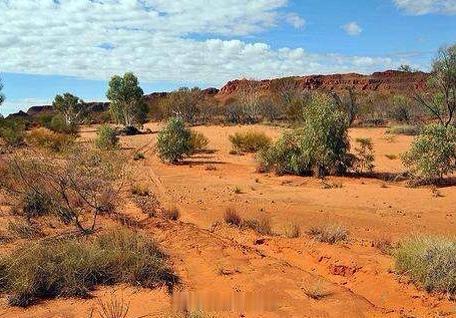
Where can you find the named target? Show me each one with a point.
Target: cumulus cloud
(421, 7)
(185, 40)
(352, 28)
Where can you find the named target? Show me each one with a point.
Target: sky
(48, 47)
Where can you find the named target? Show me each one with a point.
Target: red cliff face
(392, 82)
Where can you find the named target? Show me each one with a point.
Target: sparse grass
(139, 156)
(113, 308)
(292, 230)
(250, 141)
(316, 290)
(23, 230)
(407, 130)
(430, 262)
(198, 142)
(331, 233)
(261, 225)
(331, 185)
(140, 189)
(49, 140)
(172, 214)
(391, 156)
(237, 190)
(73, 267)
(384, 245)
(232, 217)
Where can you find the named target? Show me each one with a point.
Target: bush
(174, 141)
(59, 125)
(198, 142)
(250, 141)
(231, 217)
(429, 262)
(12, 133)
(49, 140)
(433, 154)
(72, 268)
(407, 130)
(139, 156)
(332, 233)
(319, 147)
(106, 138)
(34, 204)
(172, 214)
(261, 226)
(364, 156)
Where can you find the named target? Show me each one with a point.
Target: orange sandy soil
(231, 273)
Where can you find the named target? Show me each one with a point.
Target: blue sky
(51, 47)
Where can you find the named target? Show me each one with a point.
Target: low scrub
(174, 141)
(198, 142)
(73, 267)
(232, 217)
(364, 156)
(407, 130)
(430, 262)
(261, 225)
(49, 140)
(332, 233)
(12, 133)
(250, 141)
(432, 155)
(292, 230)
(107, 138)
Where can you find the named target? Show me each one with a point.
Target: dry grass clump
(139, 156)
(49, 140)
(113, 308)
(232, 217)
(407, 130)
(172, 213)
(23, 230)
(316, 290)
(331, 233)
(384, 245)
(292, 230)
(429, 262)
(250, 141)
(140, 189)
(261, 225)
(198, 142)
(73, 267)
(391, 156)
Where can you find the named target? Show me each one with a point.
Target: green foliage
(185, 103)
(432, 154)
(321, 146)
(250, 141)
(107, 138)
(429, 262)
(73, 267)
(198, 142)
(59, 125)
(402, 109)
(49, 140)
(70, 107)
(365, 155)
(12, 132)
(127, 103)
(174, 141)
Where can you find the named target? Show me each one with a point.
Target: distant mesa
(388, 82)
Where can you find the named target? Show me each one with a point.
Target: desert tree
(70, 107)
(289, 98)
(183, 103)
(407, 69)
(127, 102)
(440, 98)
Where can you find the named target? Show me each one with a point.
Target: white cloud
(421, 7)
(295, 20)
(158, 40)
(352, 28)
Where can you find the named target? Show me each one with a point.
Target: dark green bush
(432, 155)
(174, 141)
(429, 262)
(59, 125)
(320, 147)
(250, 141)
(107, 138)
(72, 267)
(12, 132)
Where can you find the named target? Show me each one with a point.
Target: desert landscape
(292, 182)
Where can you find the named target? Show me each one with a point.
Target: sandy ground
(234, 273)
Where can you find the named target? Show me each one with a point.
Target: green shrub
(365, 157)
(12, 133)
(32, 203)
(250, 141)
(107, 138)
(174, 141)
(331, 233)
(429, 262)
(59, 125)
(407, 130)
(49, 140)
(198, 142)
(432, 154)
(320, 147)
(72, 267)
